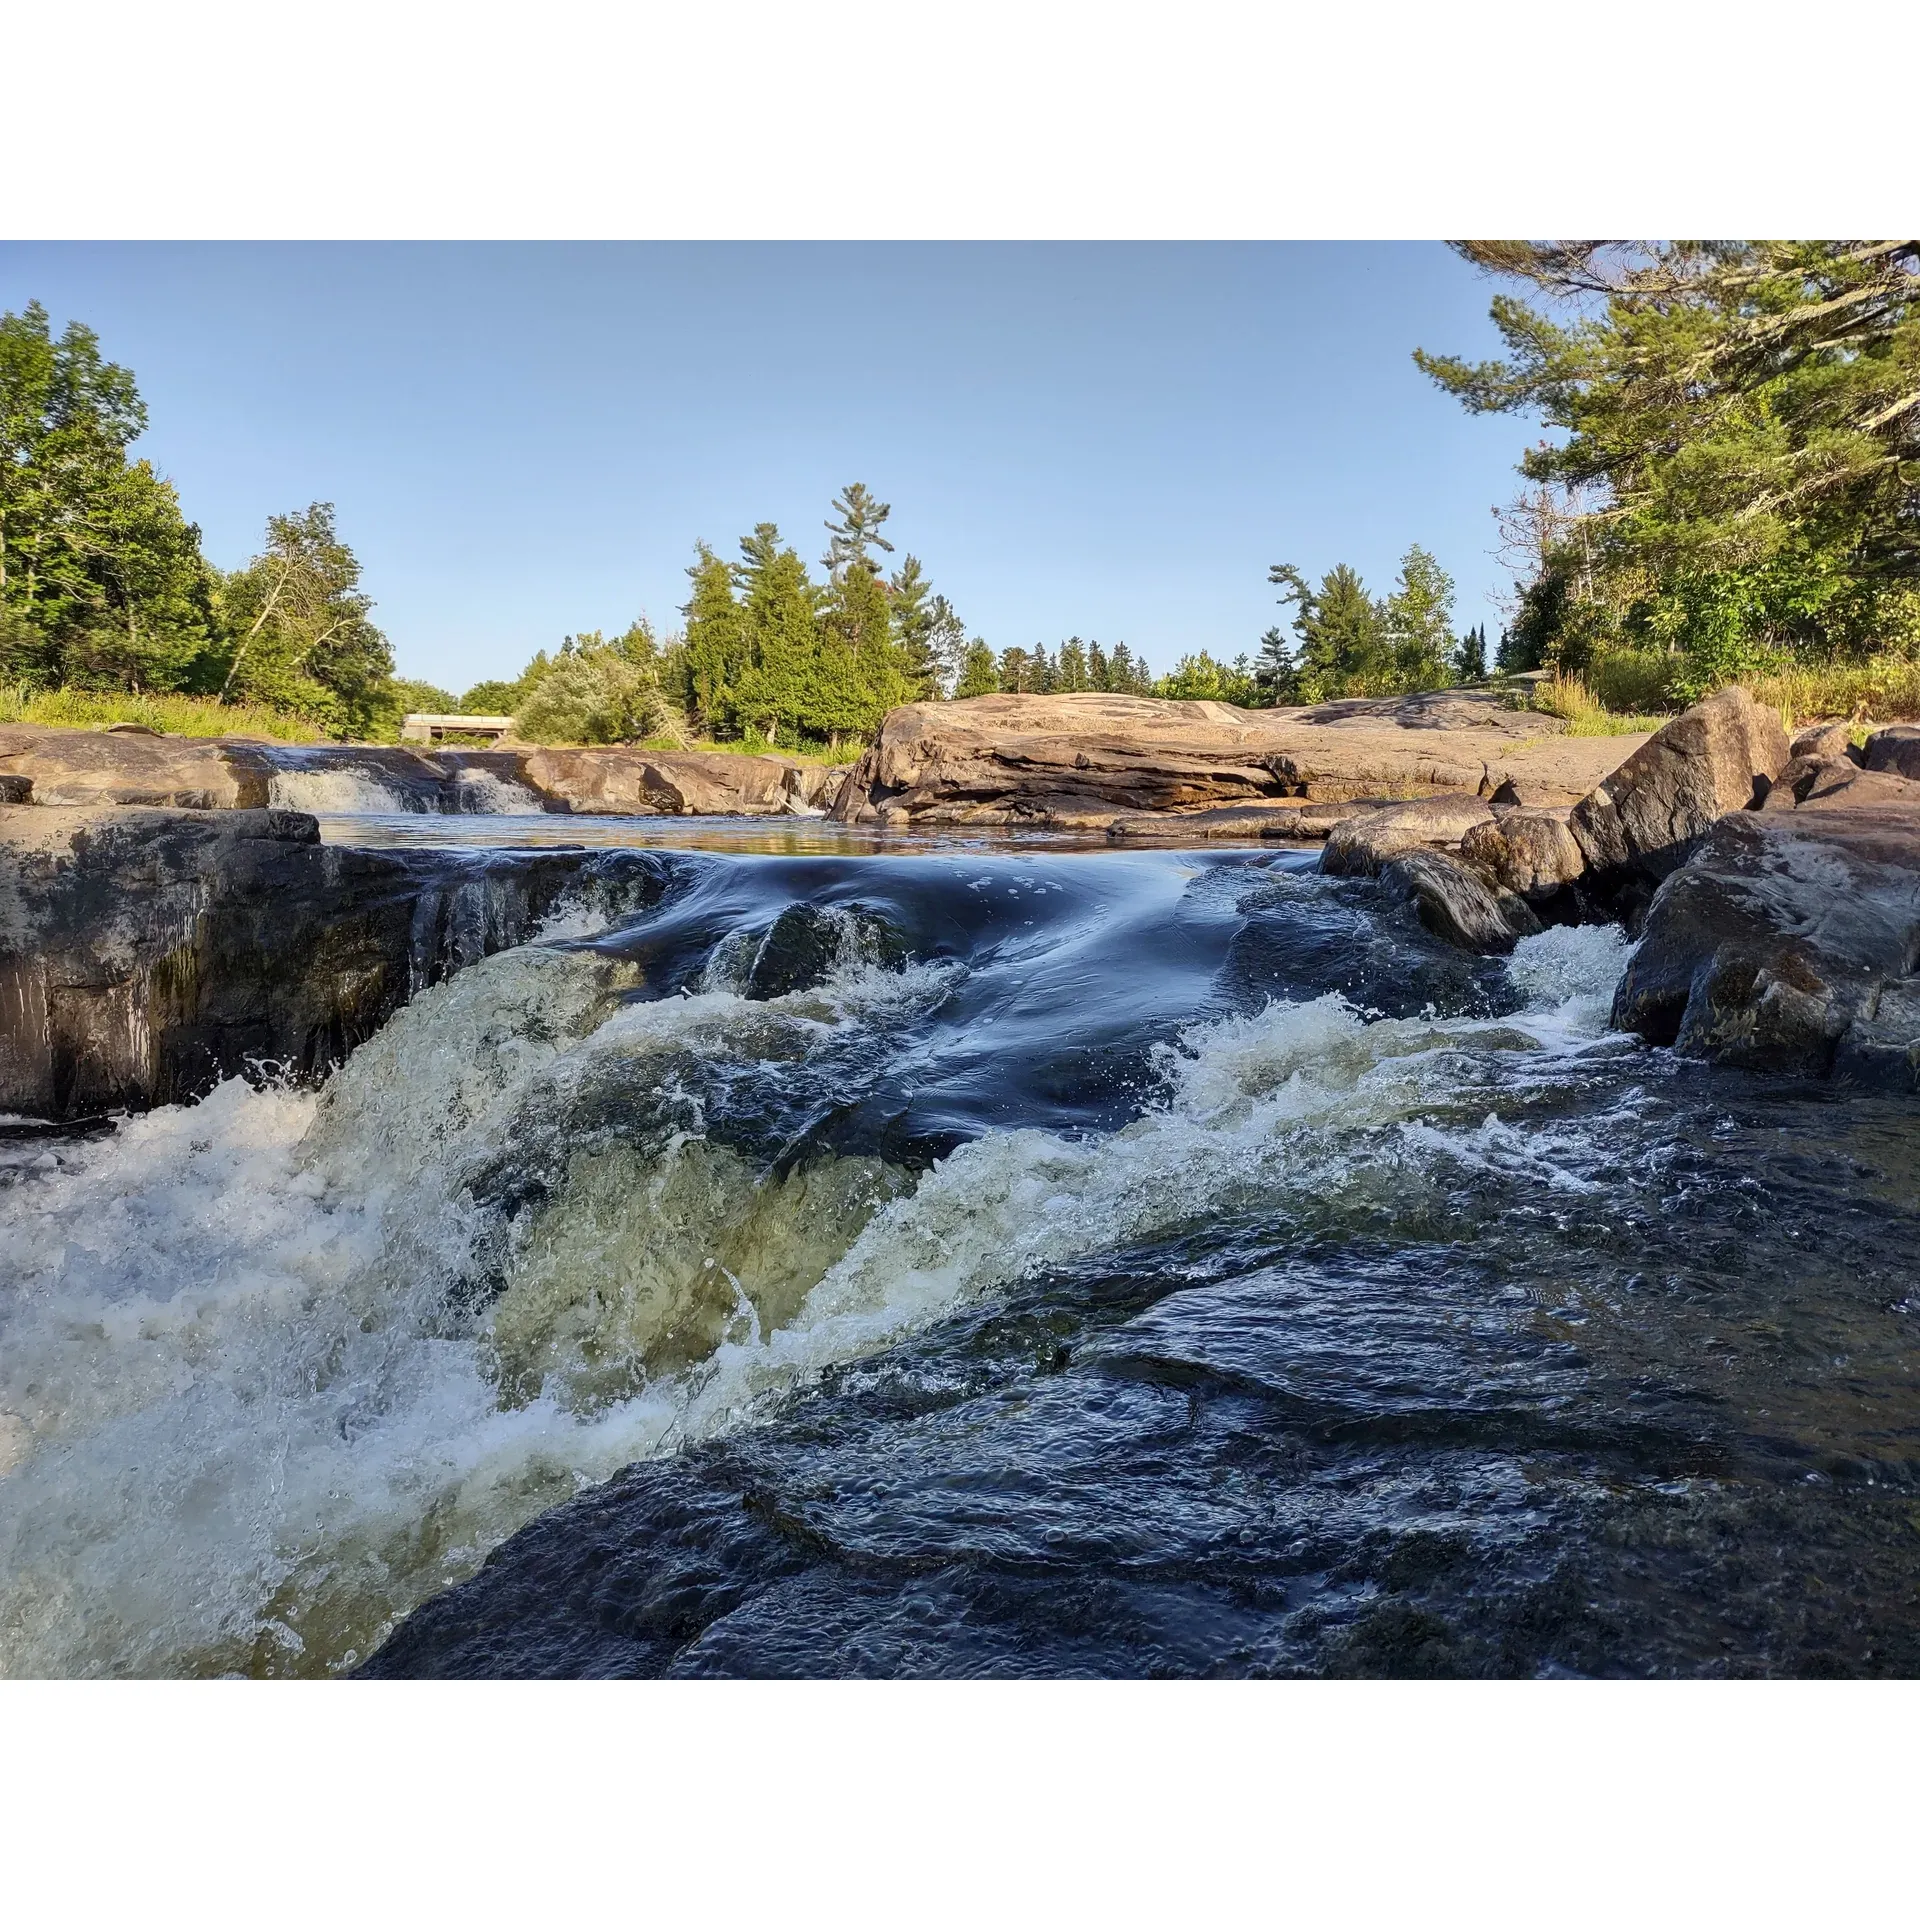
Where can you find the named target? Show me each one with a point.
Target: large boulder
(1788, 943)
(1649, 814)
(1086, 759)
(1894, 750)
(145, 954)
(630, 780)
(1528, 851)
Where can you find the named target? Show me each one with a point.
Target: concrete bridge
(423, 729)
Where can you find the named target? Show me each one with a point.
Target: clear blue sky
(526, 441)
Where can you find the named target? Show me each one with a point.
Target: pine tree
(856, 531)
(978, 673)
(1125, 675)
(783, 637)
(915, 614)
(1099, 669)
(1041, 674)
(716, 643)
(1016, 670)
(1470, 656)
(1070, 669)
(1342, 649)
(947, 637)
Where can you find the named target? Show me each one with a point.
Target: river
(988, 1257)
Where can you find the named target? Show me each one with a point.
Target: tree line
(102, 582)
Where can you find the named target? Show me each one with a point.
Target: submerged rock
(806, 943)
(1458, 904)
(145, 954)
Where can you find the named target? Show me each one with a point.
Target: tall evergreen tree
(782, 637)
(1070, 669)
(1342, 648)
(716, 642)
(1041, 674)
(851, 538)
(979, 673)
(947, 637)
(1470, 657)
(1099, 669)
(1739, 444)
(915, 616)
(1016, 670)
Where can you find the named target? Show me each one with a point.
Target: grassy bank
(175, 713)
(1629, 694)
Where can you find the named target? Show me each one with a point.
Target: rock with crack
(1088, 759)
(1531, 852)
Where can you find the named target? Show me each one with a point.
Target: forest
(1730, 490)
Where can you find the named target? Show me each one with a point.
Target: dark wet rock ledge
(146, 953)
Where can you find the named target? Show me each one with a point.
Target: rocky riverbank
(55, 766)
(161, 925)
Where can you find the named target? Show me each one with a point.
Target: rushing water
(973, 1260)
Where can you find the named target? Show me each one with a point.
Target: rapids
(973, 1260)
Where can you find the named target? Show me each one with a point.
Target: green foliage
(594, 692)
(298, 632)
(915, 618)
(1417, 625)
(1738, 448)
(1199, 676)
(1470, 655)
(1070, 669)
(101, 580)
(1016, 671)
(1633, 680)
(978, 672)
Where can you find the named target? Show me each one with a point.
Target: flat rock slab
(76, 767)
(69, 766)
(1014, 757)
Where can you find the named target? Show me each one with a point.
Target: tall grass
(1567, 697)
(1886, 690)
(176, 713)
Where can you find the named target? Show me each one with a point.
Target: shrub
(1632, 680)
(593, 696)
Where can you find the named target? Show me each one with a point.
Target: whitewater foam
(275, 1367)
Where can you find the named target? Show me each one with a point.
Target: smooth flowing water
(971, 1260)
